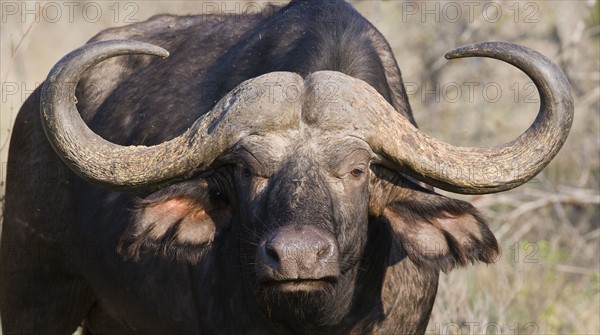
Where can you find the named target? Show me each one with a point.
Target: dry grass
(547, 280)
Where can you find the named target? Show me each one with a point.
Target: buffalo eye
(247, 172)
(356, 173)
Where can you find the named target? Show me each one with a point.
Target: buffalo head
(298, 173)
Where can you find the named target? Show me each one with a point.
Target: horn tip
(163, 53)
(463, 51)
(158, 51)
(455, 53)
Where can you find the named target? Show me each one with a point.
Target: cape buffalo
(263, 176)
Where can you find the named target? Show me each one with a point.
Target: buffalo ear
(440, 232)
(178, 222)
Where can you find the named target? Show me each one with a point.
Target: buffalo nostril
(323, 251)
(293, 253)
(272, 253)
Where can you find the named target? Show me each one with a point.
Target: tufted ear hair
(178, 222)
(434, 230)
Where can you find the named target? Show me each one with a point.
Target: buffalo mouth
(298, 285)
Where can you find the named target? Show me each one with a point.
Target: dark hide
(188, 253)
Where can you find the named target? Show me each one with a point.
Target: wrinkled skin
(330, 193)
(292, 182)
(364, 244)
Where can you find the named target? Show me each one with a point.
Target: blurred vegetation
(547, 280)
(594, 19)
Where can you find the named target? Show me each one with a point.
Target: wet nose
(296, 253)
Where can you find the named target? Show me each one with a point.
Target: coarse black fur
(192, 267)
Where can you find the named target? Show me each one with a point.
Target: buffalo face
(296, 186)
(300, 205)
(303, 206)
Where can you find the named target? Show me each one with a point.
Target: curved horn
(253, 107)
(467, 170)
